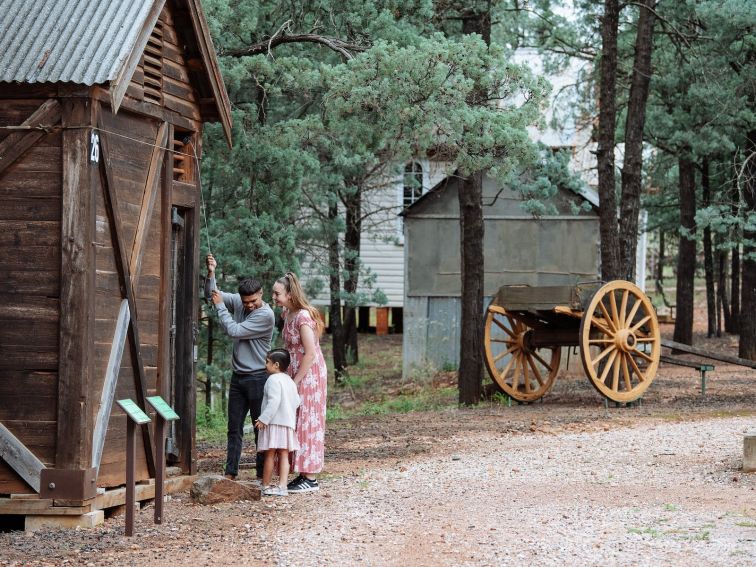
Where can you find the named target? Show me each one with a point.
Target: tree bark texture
(471, 231)
(471, 247)
(353, 219)
(686, 257)
(634, 124)
(747, 346)
(605, 152)
(723, 303)
(334, 283)
(734, 276)
(734, 292)
(711, 306)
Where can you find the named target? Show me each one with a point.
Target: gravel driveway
(521, 489)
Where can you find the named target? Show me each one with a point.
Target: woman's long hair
(290, 282)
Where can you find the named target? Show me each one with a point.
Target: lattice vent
(153, 66)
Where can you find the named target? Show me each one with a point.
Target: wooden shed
(559, 249)
(101, 110)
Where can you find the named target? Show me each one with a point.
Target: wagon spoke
(645, 339)
(503, 372)
(603, 353)
(607, 317)
(515, 374)
(623, 309)
(608, 367)
(503, 328)
(626, 372)
(498, 357)
(600, 326)
(638, 373)
(640, 323)
(600, 341)
(633, 311)
(613, 303)
(506, 341)
(525, 377)
(643, 355)
(536, 372)
(542, 361)
(616, 372)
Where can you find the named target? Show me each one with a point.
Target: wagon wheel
(620, 342)
(523, 371)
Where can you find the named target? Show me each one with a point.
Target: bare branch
(283, 35)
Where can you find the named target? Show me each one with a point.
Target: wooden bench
(702, 368)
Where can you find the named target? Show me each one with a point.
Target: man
(249, 321)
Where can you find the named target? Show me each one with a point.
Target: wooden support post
(130, 475)
(159, 466)
(77, 288)
(381, 320)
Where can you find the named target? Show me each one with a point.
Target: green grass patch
(211, 424)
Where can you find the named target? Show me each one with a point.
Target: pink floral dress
(312, 413)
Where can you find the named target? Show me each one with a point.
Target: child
(277, 421)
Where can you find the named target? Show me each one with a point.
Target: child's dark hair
(280, 356)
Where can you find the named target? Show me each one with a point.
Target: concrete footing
(749, 452)
(88, 520)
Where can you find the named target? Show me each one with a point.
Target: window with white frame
(413, 183)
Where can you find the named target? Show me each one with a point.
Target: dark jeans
(245, 395)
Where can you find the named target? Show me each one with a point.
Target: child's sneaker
(274, 490)
(294, 482)
(304, 484)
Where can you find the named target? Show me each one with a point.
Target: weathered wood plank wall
(30, 190)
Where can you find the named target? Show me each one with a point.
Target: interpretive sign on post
(165, 414)
(161, 406)
(136, 416)
(135, 413)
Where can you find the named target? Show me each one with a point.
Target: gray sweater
(250, 330)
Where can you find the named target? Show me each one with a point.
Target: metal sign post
(164, 414)
(135, 417)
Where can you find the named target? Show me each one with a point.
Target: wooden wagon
(613, 324)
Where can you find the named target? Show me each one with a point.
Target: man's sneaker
(303, 484)
(274, 490)
(294, 482)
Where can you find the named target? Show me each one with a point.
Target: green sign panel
(134, 412)
(162, 407)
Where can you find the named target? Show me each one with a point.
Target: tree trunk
(711, 306)
(471, 247)
(734, 291)
(723, 305)
(634, 125)
(334, 281)
(661, 261)
(610, 255)
(734, 327)
(471, 231)
(686, 257)
(353, 219)
(747, 346)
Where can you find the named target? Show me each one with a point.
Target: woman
(302, 329)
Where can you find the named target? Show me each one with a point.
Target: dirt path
(563, 482)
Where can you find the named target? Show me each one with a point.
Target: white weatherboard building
(382, 246)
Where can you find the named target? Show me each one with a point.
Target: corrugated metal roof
(76, 41)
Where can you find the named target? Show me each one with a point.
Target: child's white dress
(279, 410)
